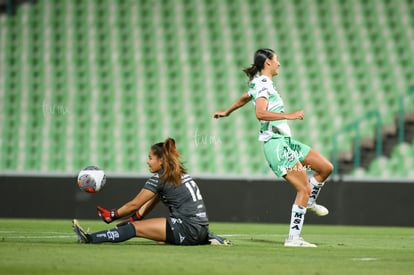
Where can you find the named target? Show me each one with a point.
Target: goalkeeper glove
(134, 217)
(107, 215)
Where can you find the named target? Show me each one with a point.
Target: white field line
(41, 237)
(252, 235)
(365, 259)
(50, 235)
(27, 235)
(28, 232)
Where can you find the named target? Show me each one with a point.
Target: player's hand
(220, 114)
(107, 215)
(134, 217)
(296, 115)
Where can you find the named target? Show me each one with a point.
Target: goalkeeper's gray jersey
(184, 201)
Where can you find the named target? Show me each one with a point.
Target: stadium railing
(401, 113)
(353, 128)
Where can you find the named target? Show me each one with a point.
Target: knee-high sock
(315, 189)
(114, 235)
(296, 221)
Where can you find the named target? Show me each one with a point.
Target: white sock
(315, 189)
(296, 221)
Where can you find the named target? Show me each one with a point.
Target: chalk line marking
(365, 259)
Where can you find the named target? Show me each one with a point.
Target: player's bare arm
(148, 206)
(136, 203)
(240, 102)
(263, 114)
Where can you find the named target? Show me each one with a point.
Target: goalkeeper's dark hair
(259, 59)
(171, 164)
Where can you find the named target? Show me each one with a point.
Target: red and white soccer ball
(91, 179)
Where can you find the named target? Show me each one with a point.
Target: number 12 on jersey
(194, 191)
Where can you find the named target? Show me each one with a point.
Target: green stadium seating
(98, 82)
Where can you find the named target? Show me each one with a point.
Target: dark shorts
(181, 232)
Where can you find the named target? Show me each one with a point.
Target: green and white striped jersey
(262, 86)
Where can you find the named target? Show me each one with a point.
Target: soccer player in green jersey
(187, 223)
(287, 157)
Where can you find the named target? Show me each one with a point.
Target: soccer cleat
(83, 236)
(318, 210)
(299, 242)
(213, 239)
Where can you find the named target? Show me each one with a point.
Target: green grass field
(50, 247)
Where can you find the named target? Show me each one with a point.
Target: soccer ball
(91, 179)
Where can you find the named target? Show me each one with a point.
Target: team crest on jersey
(264, 80)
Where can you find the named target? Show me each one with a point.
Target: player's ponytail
(260, 57)
(171, 164)
(173, 169)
